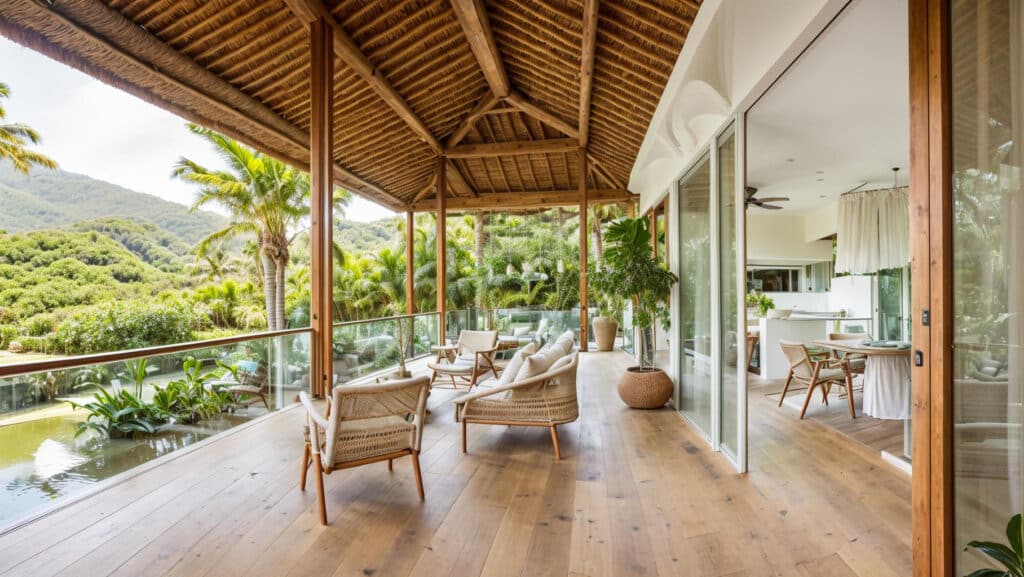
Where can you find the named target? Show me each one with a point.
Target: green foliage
(763, 302)
(50, 385)
(1009, 556)
(14, 141)
(51, 199)
(116, 415)
(632, 270)
(126, 325)
(187, 400)
(146, 240)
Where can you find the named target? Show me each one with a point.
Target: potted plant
(632, 271)
(606, 324)
(761, 301)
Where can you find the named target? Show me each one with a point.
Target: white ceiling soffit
(839, 118)
(734, 49)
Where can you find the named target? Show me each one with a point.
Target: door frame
(931, 277)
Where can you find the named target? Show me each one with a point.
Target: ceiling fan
(752, 199)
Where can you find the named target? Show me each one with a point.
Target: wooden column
(410, 232)
(584, 337)
(931, 221)
(653, 216)
(442, 245)
(320, 165)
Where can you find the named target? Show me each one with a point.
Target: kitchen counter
(802, 329)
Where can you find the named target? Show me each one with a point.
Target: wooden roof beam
(472, 17)
(457, 182)
(488, 102)
(590, 9)
(526, 200)
(346, 49)
(494, 149)
(520, 101)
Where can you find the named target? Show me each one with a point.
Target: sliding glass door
(732, 363)
(696, 313)
(987, 272)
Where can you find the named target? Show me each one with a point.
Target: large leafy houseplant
(1011, 557)
(630, 269)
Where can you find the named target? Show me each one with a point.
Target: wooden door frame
(931, 276)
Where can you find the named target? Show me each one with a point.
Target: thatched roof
(413, 79)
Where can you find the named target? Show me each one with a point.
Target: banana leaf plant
(1009, 556)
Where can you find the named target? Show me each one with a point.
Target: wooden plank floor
(637, 493)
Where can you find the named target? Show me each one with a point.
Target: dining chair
(814, 373)
(857, 361)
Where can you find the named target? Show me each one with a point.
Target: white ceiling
(839, 117)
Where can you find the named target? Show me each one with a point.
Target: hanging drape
(874, 231)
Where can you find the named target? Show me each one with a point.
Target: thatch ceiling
(413, 79)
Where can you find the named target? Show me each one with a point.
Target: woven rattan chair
(545, 400)
(474, 358)
(365, 424)
(815, 373)
(857, 361)
(252, 387)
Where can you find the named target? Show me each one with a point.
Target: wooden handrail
(115, 356)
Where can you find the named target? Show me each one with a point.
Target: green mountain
(52, 199)
(360, 237)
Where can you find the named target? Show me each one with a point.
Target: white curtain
(874, 231)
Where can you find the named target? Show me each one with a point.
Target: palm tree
(264, 198)
(14, 138)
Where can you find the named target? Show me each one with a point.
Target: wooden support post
(653, 215)
(442, 244)
(584, 229)
(321, 205)
(410, 265)
(631, 209)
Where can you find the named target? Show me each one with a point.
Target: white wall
(733, 51)
(822, 222)
(782, 240)
(853, 293)
(810, 302)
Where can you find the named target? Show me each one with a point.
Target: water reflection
(42, 460)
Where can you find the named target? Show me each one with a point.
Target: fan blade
(769, 206)
(774, 199)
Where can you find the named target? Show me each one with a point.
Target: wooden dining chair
(857, 361)
(822, 373)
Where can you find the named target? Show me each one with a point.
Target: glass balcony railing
(521, 322)
(365, 348)
(68, 423)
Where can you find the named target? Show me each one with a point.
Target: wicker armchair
(474, 358)
(815, 373)
(857, 361)
(365, 424)
(545, 400)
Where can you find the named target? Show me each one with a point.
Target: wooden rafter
(520, 101)
(472, 17)
(523, 200)
(590, 9)
(550, 145)
(600, 170)
(431, 185)
(485, 104)
(346, 49)
(458, 182)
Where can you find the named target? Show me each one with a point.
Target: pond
(41, 460)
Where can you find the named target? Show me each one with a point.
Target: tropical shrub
(1011, 556)
(126, 325)
(116, 415)
(50, 385)
(187, 400)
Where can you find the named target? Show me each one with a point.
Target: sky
(94, 129)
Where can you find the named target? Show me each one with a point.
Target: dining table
(887, 384)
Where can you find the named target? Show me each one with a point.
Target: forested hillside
(55, 198)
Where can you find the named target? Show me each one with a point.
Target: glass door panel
(731, 358)
(988, 272)
(695, 282)
(890, 304)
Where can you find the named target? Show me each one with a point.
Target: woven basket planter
(649, 389)
(605, 329)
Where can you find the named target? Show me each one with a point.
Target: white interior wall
(822, 222)
(810, 302)
(852, 293)
(782, 240)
